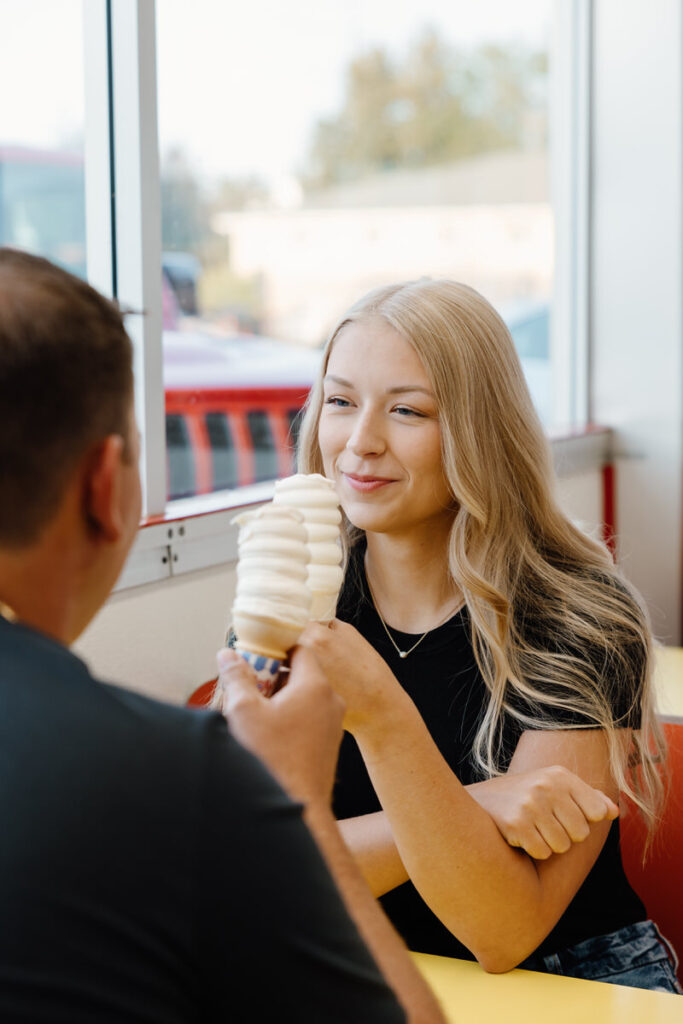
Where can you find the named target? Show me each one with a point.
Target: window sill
(197, 533)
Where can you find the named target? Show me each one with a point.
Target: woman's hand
(356, 672)
(543, 811)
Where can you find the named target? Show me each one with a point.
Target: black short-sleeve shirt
(442, 679)
(152, 870)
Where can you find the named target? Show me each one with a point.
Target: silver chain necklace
(404, 654)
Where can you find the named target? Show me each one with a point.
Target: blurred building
(486, 221)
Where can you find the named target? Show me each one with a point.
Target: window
(530, 332)
(181, 471)
(263, 446)
(222, 450)
(42, 183)
(422, 150)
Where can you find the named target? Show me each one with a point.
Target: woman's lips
(366, 483)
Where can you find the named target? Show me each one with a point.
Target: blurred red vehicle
(232, 409)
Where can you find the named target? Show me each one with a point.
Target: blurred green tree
(437, 105)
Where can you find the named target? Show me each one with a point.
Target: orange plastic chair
(659, 882)
(202, 695)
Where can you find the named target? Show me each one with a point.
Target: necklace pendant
(403, 654)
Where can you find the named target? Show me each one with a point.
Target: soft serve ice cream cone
(272, 602)
(315, 497)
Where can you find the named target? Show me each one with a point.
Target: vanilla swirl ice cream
(315, 497)
(272, 602)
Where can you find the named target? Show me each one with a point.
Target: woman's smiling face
(379, 431)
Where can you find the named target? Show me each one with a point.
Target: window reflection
(42, 182)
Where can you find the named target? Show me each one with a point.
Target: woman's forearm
(370, 839)
(480, 888)
(494, 898)
(541, 812)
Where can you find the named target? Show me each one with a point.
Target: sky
(240, 83)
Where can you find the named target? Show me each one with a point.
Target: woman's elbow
(502, 957)
(497, 963)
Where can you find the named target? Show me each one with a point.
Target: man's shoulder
(58, 704)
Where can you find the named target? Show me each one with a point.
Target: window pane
(399, 141)
(42, 191)
(181, 473)
(224, 458)
(265, 455)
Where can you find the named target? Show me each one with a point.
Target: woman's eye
(341, 403)
(404, 410)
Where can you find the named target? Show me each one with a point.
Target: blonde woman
(480, 637)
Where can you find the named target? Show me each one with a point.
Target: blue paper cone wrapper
(267, 670)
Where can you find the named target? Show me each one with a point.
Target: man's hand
(543, 811)
(296, 732)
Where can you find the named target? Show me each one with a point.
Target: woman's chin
(369, 520)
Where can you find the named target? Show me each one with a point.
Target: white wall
(636, 279)
(161, 639)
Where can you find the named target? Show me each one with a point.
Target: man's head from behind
(66, 389)
(65, 382)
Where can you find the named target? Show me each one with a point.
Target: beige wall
(161, 638)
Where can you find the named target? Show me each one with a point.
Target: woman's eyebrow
(403, 388)
(399, 389)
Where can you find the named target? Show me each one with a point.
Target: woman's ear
(102, 491)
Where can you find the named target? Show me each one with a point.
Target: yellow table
(470, 996)
(669, 683)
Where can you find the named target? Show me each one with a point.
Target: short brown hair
(66, 381)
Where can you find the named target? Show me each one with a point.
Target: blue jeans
(637, 955)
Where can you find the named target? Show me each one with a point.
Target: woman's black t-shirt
(442, 679)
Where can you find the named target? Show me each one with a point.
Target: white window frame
(570, 169)
(124, 236)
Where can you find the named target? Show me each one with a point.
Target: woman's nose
(366, 438)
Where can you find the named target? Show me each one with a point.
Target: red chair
(659, 882)
(202, 695)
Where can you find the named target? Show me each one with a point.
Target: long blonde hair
(556, 629)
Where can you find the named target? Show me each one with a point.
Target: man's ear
(102, 488)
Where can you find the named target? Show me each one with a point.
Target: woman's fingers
(594, 804)
(572, 819)
(532, 842)
(570, 823)
(556, 810)
(567, 825)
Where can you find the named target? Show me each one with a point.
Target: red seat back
(202, 695)
(659, 882)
